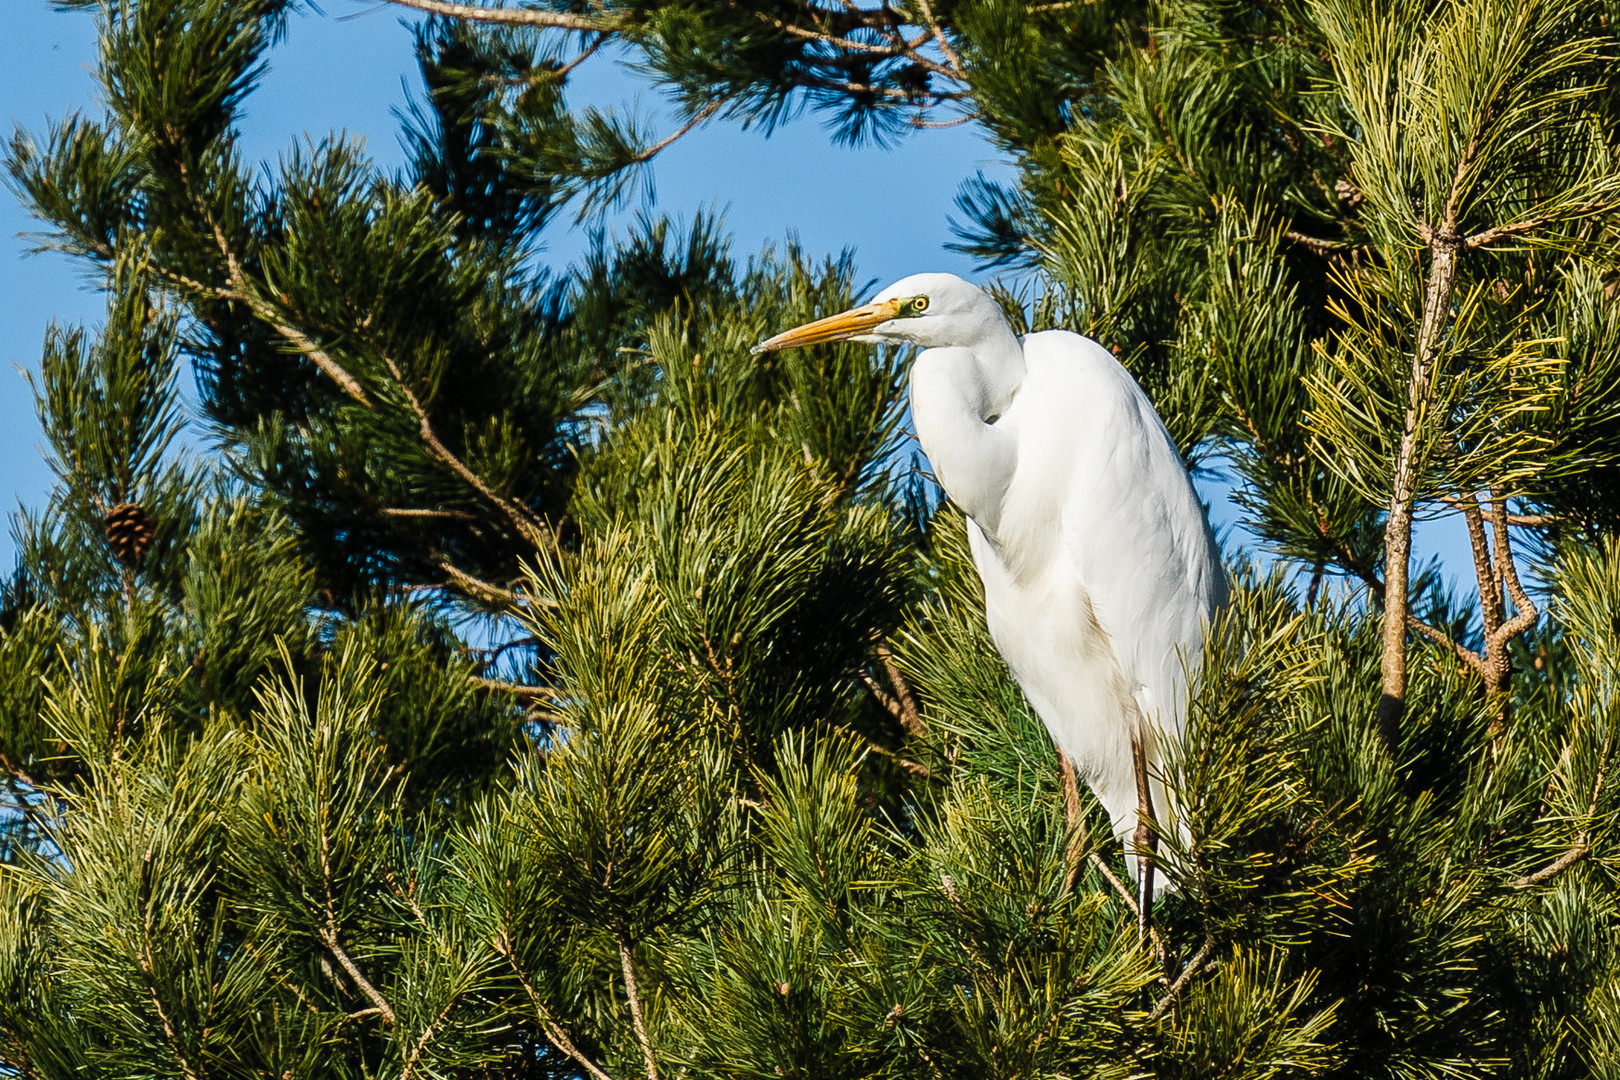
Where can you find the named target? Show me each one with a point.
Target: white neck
(955, 394)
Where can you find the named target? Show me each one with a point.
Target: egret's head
(931, 310)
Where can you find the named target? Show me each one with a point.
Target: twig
(1524, 520)
(437, 515)
(1112, 878)
(329, 938)
(1490, 593)
(478, 587)
(634, 997)
(966, 118)
(528, 528)
(939, 36)
(548, 1023)
(697, 118)
(910, 715)
(520, 689)
(1583, 840)
(1321, 247)
(1581, 850)
(914, 767)
(1441, 638)
(242, 290)
(1519, 228)
(421, 1044)
(1527, 614)
(409, 898)
(144, 959)
(1192, 968)
(551, 20)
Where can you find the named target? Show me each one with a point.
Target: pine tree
(519, 678)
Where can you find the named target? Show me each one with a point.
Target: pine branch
(634, 997)
(1490, 595)
(1528, 225)
(1443, 639)
(549, 20)
(910, 714)
(410, 899)
(520, 689)
(143, 960)
(1192, 968)
(329, 938)
(945, 49)
(1568, 859)
(1443, 250)
(1583, 840)
(1321, 247)
(548, 1023)
(914, 767)
(652, 151)
(420, 1048)
(526, 524)
(475, 586)
(1527, 611)
(434, 515)
(242, 290)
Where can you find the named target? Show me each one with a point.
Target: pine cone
(129, 531)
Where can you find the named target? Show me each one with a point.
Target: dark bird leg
(1145, 840)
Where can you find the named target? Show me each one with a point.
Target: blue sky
(349, 70)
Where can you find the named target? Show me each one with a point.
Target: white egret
(1100, 572)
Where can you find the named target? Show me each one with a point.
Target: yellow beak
(840, 327)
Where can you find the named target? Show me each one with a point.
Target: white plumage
(1100, 573)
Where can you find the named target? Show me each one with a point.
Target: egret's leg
(1079, 837)
(1071, 791)
(1145, 840)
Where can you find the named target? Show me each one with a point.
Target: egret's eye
(919, 304)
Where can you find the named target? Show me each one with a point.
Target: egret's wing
(1133, 527)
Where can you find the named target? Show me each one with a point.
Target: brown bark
(1443, 248)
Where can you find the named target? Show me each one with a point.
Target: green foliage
(514, 676)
